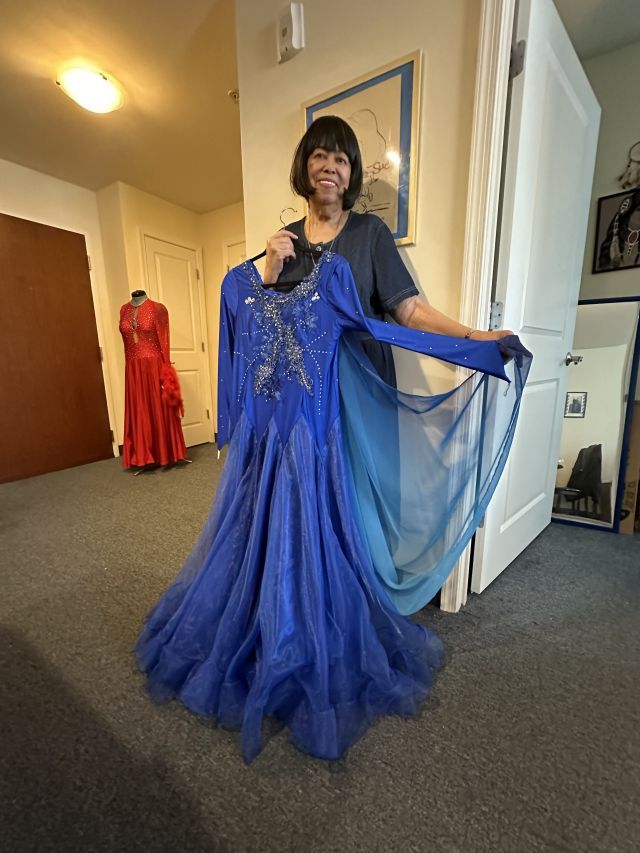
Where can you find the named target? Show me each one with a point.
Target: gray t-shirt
(381, 277)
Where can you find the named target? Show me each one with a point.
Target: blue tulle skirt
(278, 610)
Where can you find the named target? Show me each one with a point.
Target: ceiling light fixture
(93, 90)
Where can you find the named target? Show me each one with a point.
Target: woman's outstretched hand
(495, 335)
(279, 250)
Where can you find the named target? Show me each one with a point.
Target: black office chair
(584, 483)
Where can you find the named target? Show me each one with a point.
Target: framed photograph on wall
(382, 107)
(617, 243)
(575, 405)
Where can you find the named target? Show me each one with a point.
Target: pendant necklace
(339, 230)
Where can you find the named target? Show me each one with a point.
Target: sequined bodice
(141, 329)
(286, 325)
(279, 353)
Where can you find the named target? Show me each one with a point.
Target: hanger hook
(282, 213)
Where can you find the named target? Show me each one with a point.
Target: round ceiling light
(93, 90)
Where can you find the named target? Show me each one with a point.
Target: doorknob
(572, 359)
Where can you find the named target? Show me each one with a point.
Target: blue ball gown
(280, 609)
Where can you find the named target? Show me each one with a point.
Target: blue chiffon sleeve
(423, 467)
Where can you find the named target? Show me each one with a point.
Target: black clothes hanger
(288, 285)
(303, 250)
(139, 293)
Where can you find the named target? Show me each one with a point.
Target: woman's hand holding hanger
(279, 249)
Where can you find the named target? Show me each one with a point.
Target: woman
(327, 173)
(283, 607)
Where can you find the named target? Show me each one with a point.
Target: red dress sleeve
(162, 330)
(170, 384)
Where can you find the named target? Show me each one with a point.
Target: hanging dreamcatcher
(630, 178)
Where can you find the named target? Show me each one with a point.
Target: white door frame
(485, 173)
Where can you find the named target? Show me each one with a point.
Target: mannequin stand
(148, 468)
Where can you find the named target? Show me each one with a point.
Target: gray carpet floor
(531, 741)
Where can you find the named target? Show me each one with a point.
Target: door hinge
(101, 353)
(89, 262)
(516, 64)
(197, 273)
(113, 438)
(208, 415)
(496, 315)
(202, 345)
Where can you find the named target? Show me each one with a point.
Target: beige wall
(40, 198)
(611, 76)
(144, 214)
(115, 287)
(217, 229)
(345, 40)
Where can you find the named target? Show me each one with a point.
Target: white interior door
(174, 279)
(235, 253)
(551, 147)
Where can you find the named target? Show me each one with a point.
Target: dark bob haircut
(332, 134)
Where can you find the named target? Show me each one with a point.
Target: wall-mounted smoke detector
(290, 27)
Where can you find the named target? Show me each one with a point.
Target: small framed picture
(617, 243)
(382, 107)
(576, 404)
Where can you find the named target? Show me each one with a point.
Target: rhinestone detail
(284, 320)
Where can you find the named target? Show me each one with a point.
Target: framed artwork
(382, 107)
(575, 405)
(617, 243)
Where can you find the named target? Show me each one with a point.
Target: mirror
(596, 404)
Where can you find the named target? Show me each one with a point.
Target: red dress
(152, 404)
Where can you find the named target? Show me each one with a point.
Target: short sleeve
(393, 283)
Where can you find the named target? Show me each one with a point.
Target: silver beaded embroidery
(283, 320)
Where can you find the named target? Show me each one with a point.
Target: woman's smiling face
(329, 174)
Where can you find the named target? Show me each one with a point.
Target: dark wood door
(53, 409)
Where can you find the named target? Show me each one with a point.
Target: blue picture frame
(383, 109)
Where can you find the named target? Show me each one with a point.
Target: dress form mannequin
(153, 403)
(138, 297)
